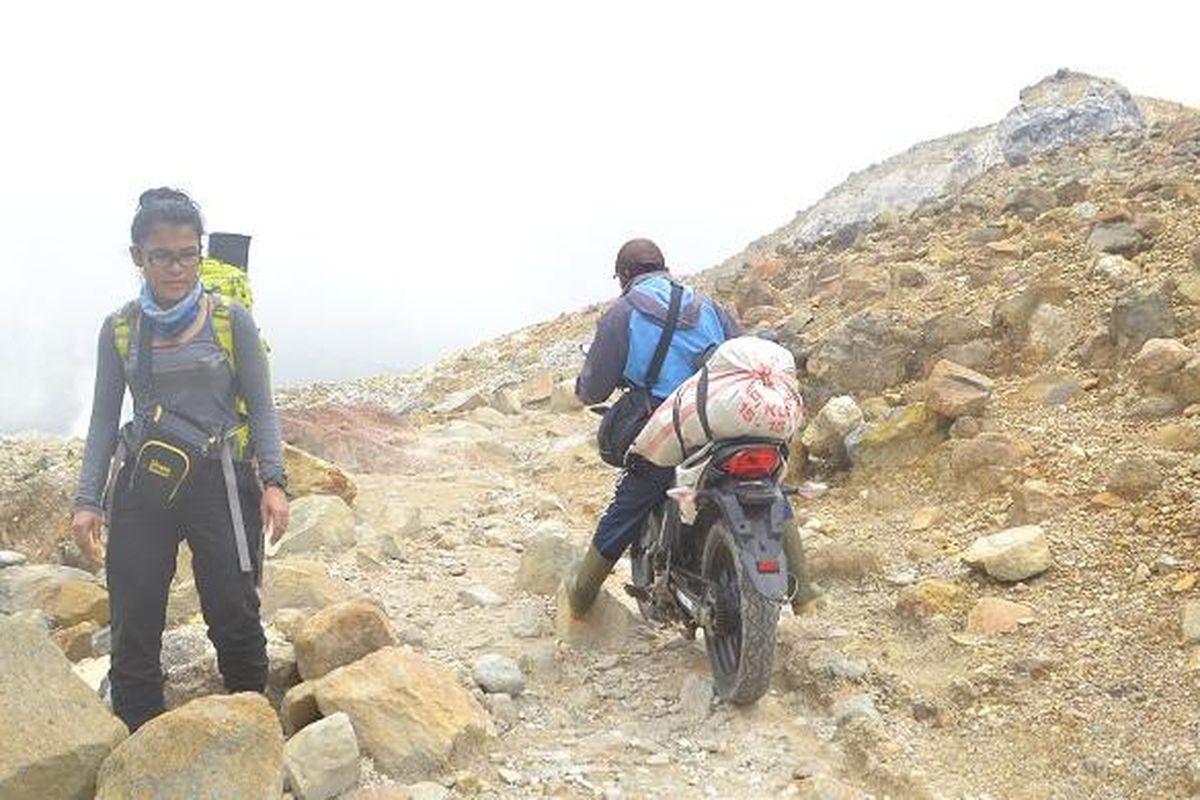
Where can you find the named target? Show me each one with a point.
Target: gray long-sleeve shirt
(194, 379)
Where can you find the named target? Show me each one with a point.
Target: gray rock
(1115, 270)
(870, 352)
(1134, 477)
(480, 597)
(1120, 238)
(322, 760)
(11, 558)
(1154, 406)
(1064, 108)
(855, 707)
(497, 674)
(1139, 315)
(1029, 202)
(529, 621)
(836, 665)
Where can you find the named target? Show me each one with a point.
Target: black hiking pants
(143, 544)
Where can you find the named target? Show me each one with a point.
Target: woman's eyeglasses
(187, 258)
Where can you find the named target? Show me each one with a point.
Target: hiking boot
(583, 584)
(807, 597)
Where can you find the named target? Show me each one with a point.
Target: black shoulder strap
(143, 375)
(664, 341)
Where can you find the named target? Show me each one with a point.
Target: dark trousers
(143, 544)
(641, 488)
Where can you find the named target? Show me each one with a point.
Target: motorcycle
(711, 558)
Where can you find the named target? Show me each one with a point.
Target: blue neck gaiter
(171, 321)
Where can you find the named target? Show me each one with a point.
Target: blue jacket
(628, 334)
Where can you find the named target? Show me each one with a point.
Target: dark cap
(639, 255)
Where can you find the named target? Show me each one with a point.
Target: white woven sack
(752, 391)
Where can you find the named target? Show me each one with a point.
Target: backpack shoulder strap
(222, 320)
(664, 341)
(124, 321)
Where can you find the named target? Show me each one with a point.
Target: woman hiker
(201, 461)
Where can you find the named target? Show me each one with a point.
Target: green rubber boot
(585, 580)
(807, 595)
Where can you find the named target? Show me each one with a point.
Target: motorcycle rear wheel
(740, 637)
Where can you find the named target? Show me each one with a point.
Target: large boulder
(37, 489)
(322, 760)
(955, 391)
(58, 732)
(319, 522)
(66, 595)
(309, 474)
(215, 747)
(1012, 555)
(339, 635)
(869, 352)
(411, 715)
(1064, 108)
(298, 583)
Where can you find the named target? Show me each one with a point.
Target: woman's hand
(86, 525)
(275, 513)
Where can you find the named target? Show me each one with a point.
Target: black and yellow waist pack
(165, 448)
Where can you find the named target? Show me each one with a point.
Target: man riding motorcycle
(626, 337)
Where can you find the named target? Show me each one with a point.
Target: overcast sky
(420, 176)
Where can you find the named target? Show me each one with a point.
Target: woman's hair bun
(163, 194)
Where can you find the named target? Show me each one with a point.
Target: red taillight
(768, 567)
(752, 463)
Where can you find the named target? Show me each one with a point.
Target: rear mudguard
(757, 527)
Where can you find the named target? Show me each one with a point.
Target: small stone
(322, 760)
(1139, 315)
(1185, 582)
(480, 597)
(955, 391)
(1159, 357)
(658, 760)
(842, 561)
(11, 558)
(1191, 622)
(529, 621)
(1011, 555)
(1033, 501)
(859, 706)
(965, 428)
(1116, 270)
(1116, 237)
(498, 674)
(996, 615)
(1177, 438)
(1134, 477)
(928, 598)
(925, 518)
(76, 641)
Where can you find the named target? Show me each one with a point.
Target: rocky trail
(1001, 365)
